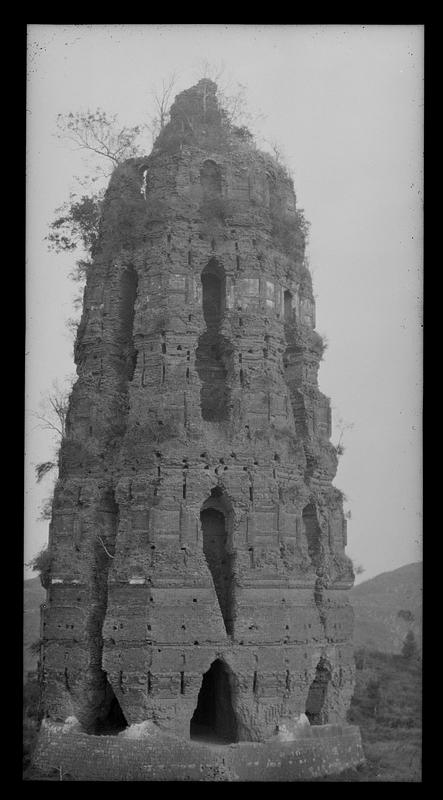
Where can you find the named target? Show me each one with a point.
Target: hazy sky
(345, 104)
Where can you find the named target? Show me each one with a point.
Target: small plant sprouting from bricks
(342, 427)
(42, 563)
(35, 647)
(290, 232)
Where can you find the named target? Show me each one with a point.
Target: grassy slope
(377, 603)
(387, 707)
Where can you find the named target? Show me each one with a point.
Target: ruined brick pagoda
(199, 577)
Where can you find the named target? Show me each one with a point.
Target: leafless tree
(211, 70)
(52, 417)
(54, 409)
(279, 156)
(97, 133)
(161, 105)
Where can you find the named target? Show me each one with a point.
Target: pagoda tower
(199, 578)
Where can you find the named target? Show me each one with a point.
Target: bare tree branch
(162, 99)
(99, 134)
(43, 469)
(52, 416)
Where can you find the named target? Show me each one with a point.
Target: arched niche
(316, 707)
(287, 306)
(213, 293)
(214, 718)
(214, 352)
(210, 178)
(216, 524)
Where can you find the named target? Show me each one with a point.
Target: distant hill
(387, 607)
(33, 596)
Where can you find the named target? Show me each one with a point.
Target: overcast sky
(345, 104)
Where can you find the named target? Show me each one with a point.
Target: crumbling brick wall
(197, 363)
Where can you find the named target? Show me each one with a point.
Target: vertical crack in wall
(128, 293)
(313, 535)
(101, 711)
(319, 602)
(99, 697)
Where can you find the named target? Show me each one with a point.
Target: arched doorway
(114, 721)
(315, 703)
(214, 717)
(218, 558)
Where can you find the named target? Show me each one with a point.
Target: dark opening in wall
(214, 717)
(316, 700)
(112, 721)
(210, 178)
(312, 532)
(218, 559)
(128, 293)
(214, 352)
(214, 293)
(287, 305)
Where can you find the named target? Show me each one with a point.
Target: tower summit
(199, 577)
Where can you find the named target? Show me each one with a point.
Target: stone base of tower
(322, 750)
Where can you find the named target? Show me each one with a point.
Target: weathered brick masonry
(196, 530)
(327, 750)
